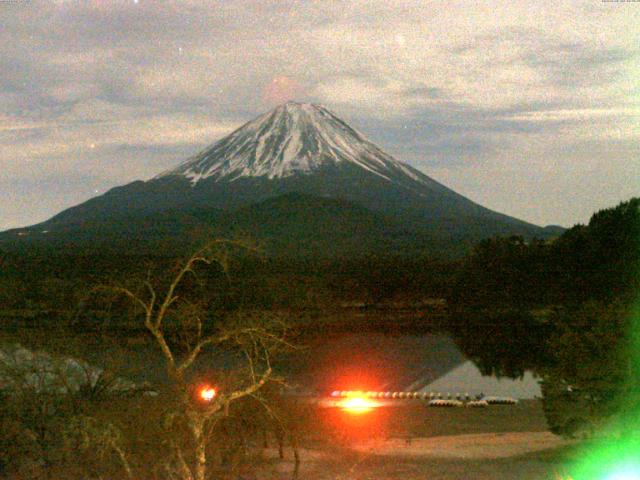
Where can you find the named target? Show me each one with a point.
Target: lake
(345, 361)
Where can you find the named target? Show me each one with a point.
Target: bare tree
(180, 329)
(90, 436)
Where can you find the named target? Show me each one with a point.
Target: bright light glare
(207, 393)
(631, 472)
(357, 405)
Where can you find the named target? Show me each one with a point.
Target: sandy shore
(473, 446)
(485, 456)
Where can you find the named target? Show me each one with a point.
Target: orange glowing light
(207, 393)
(282, 89)
(357, 405)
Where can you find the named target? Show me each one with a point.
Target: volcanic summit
(281, 169)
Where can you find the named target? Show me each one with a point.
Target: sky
(526, 107)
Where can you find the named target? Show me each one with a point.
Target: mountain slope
(295, 148)
(293, 224)
(303, 225)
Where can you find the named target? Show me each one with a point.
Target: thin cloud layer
(527, 108)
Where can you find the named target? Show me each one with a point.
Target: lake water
(349, 361)
(375, 361)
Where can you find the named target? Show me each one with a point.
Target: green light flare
(617, 457)
(631, 404)
(628, 472)
(611, 460)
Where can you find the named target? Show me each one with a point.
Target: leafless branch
(255, 340)
(252, 388)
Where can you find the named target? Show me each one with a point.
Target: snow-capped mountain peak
(295, 172)
(294, 138)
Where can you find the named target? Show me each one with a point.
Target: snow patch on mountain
(294, 138)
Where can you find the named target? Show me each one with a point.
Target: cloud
(575, 115)
(460, 90)
(94, 129)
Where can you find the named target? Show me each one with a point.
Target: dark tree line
(38, 290)
(564, 309)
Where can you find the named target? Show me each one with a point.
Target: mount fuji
(294, 139)
(300, 179)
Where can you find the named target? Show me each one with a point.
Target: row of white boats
(433, 399)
